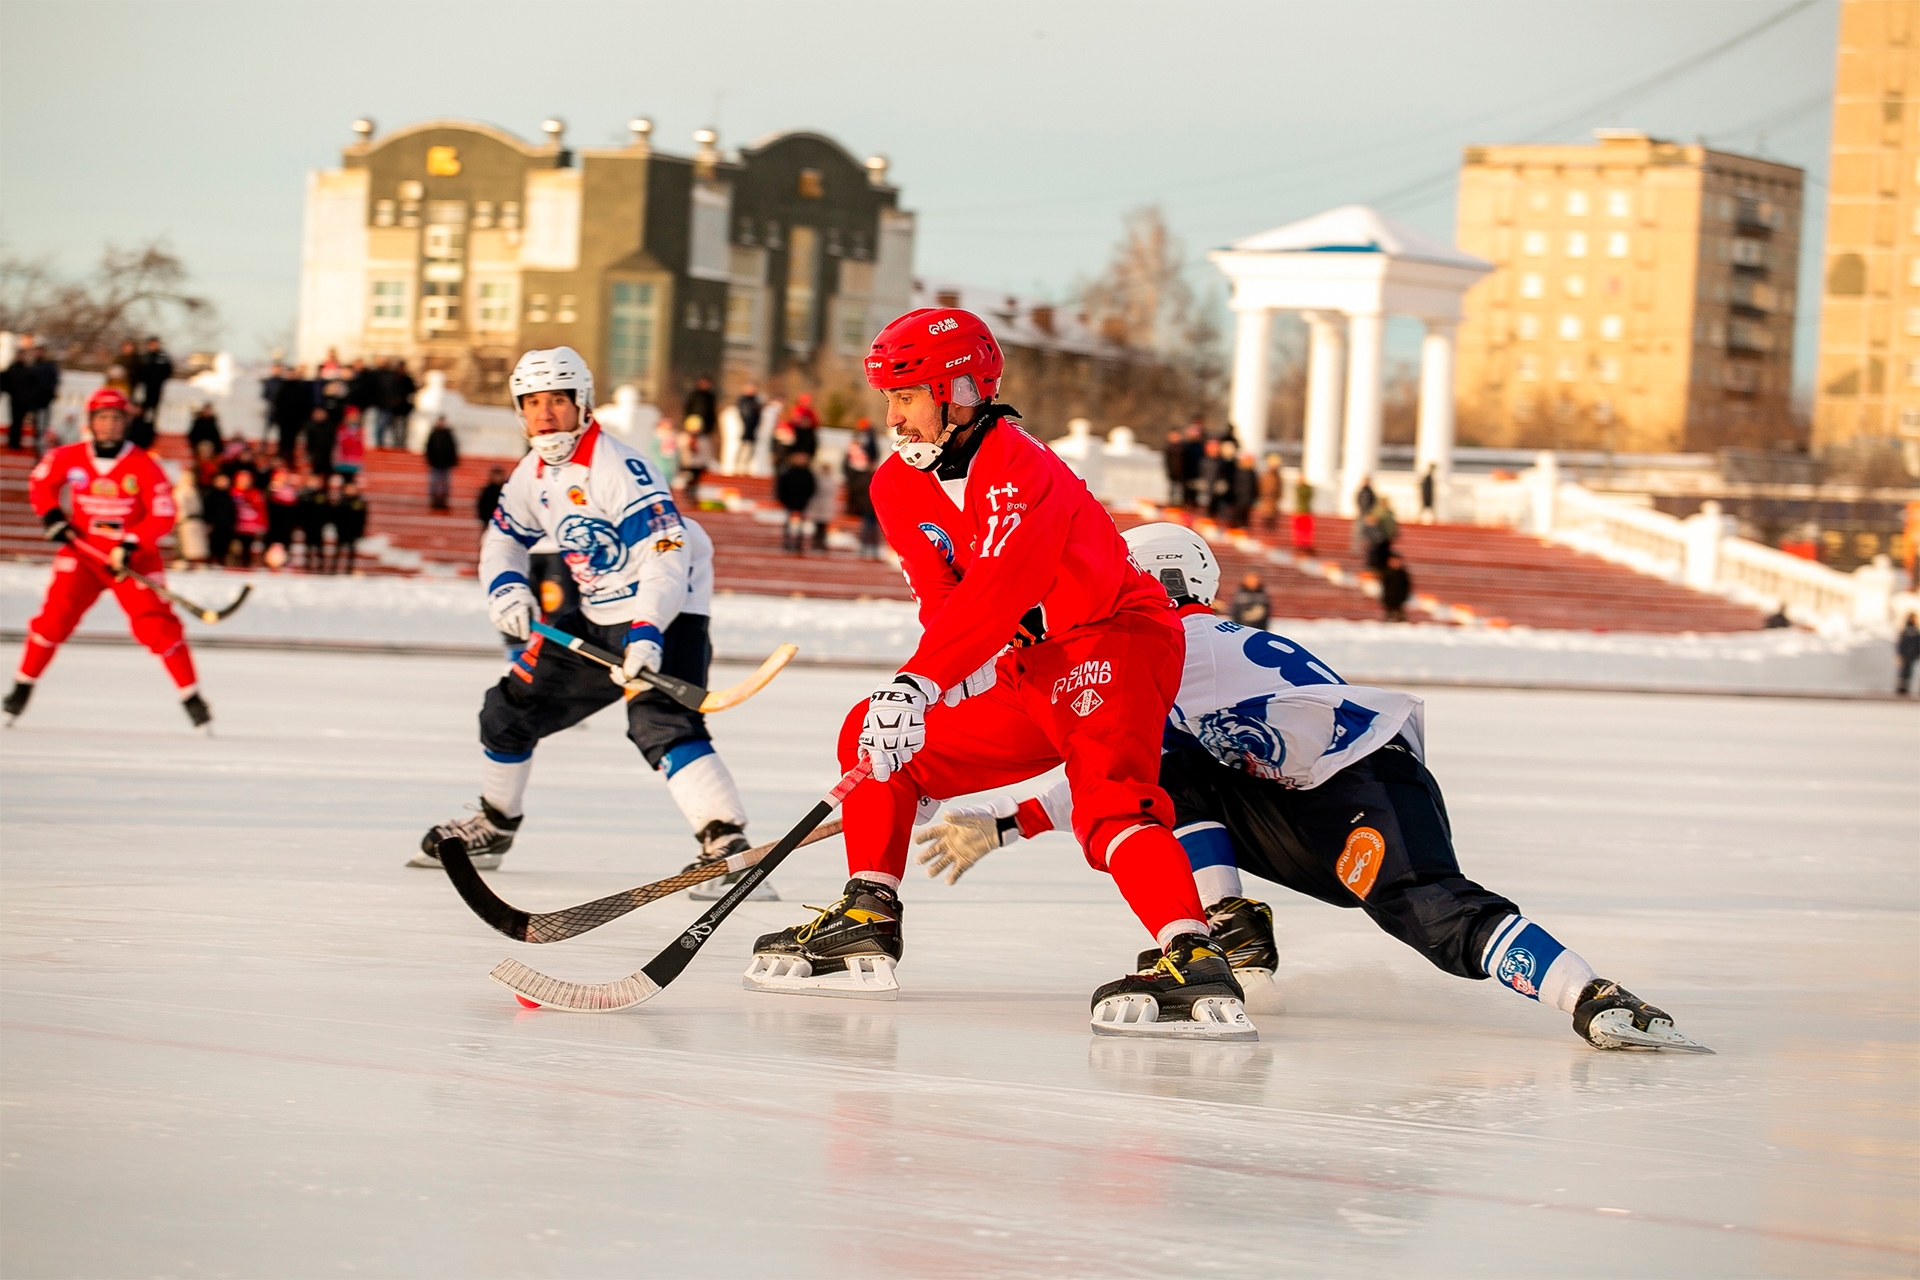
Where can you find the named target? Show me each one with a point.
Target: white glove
(965, 834)
(977, 683)
(896, 724)
(642, 653)
(510, 608)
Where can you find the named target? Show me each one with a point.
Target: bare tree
(132, 293)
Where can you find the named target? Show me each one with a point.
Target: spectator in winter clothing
(794, 487)
(489, 494)
(1427, 482)
(443, 455)
(292, 410)
(863, 455)
(1175, 461)
(1378, 529)
(22, 387)
(820, 509)
(1907, 652)
(364, 391)
(1396, 588)
(320, 437)
(217, 509)
(1193, 462)
(205, 427)
(283, 514)
(150, 378)
(1250, 607)
(748, 406)
(249, 518)
(316, 513)
(1266, 496)
(190, 524)
(798, 432)
(701, 405)
(350, 445)
(398, 412)
(1245, 491)
(349, 525)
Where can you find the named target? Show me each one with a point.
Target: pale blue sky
(1020, 132)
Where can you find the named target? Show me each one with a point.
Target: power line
(1687, 65)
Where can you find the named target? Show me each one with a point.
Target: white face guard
(555, 447)
(923, 455)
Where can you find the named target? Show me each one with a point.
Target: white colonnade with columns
(1346, 271)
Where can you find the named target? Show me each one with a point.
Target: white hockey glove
(965, 834)
(977, 683)
(510, 608)
(642, 653)
(896, 724)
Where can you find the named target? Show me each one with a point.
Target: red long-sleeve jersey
(131, 499)
(1020, 532)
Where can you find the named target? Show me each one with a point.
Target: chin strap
(925, 455)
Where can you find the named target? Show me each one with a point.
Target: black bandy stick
(173, 597)
(535, 989)
(571, 922)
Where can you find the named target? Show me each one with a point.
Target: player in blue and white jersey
(1277, 766)
(644, 575)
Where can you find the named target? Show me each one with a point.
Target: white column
(1366, 336)
(1326, 367)
(1434, 447)
(1248, 400)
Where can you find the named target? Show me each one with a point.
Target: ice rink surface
(241, 1039)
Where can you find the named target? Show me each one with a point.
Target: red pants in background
(77, 582)
(1095, 699)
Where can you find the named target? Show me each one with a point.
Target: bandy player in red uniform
(122, 507)
(1004, 546)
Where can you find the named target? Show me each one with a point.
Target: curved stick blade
(246, 589)
(486, 904)
(536, 989)
(723, 699)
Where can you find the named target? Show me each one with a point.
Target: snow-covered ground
(241, 1039)
(443, 613)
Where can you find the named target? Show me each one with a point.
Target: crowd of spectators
(336, 408)
(1212, 475)
(31, 383)
(238, 500)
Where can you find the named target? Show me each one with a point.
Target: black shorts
(549, 688)
(1374, 836)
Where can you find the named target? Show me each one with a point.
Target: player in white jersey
(644, 575)
(1277, 766)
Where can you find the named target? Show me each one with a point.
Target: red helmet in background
(109, 398)
(937, 347)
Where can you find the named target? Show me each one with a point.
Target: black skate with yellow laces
(1188, 993)
(850, 949)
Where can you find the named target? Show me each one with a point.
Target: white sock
(1174, 928)
(503, 782)
(703, 788)
(1217, 883)
(878, 877)
(1533, 962)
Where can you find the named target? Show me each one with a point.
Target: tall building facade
(1868, 382)
(1642, 301)
(457, 246)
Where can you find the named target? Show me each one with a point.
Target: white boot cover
(702, 786)
(864, 978)
(1136, 1013)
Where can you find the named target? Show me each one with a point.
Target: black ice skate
(16, 700)
(198, 711)
(1611, 1017)
(1190, 993)
(487, 835)
(850, 949)
(1243, 929)
(718, 842)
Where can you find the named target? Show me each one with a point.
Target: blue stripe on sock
(644, 631)
(1527, 960)
(1207, 845)
(506, 579)
(683, 754)
(507, 757)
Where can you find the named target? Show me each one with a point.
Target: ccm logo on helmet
(941, 326)
(956, 363)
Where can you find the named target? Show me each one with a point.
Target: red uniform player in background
(122, 506)
(1004, 546)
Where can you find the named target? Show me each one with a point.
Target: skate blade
(1614, 1029)
(714, 890)
(1138, 1014)
(481, 862)
(535, 990)
(864, 978)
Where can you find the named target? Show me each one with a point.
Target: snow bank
(421, 613)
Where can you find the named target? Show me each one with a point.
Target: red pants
(1096, 699)
(78, 580)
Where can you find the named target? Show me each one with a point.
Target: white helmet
(556, 369)
(1178, 557)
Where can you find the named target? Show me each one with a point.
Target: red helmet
(935, 347)
(109, 398)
